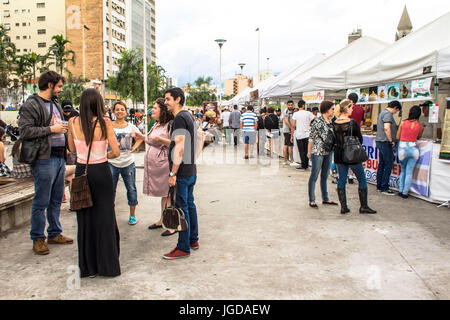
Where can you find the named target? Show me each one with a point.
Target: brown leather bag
(173, 217)
(80, 192)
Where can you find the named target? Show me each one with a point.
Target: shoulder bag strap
(90, 147)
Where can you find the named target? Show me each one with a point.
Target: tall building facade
(120, 28)
(135, 29)
(237, 85)
(33, 23)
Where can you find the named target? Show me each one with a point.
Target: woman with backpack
(345, 127)
(320, 148)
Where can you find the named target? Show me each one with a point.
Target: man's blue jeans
(185, 201)
(357, 169)
(385, 164)
(319, 164)
(408, 154)
(129, 179)
(49, 177)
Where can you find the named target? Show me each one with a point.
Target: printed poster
(433, 116)
(405, 90)
(421, 89)
(445, 144)
(364, 95)
(382, 93)
(373, 94)
(421, 174)
(393, 91)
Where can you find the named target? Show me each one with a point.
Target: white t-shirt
(303, 120)
(125, 139)
(225, 117)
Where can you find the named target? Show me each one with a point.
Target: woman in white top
(124, 164)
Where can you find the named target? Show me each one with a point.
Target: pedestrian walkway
(258, 240)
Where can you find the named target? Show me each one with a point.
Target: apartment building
(33, 23)
(119, 28)
(236, 85)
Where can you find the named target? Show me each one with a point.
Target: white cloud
(291, 31)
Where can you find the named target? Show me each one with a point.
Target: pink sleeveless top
(410, 131)
(99, 150)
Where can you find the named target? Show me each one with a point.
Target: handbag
(29, 149)
(80, 192)
(173, 217)
(353, 152)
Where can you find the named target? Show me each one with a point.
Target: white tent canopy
(330, 73)
(280, 87)
(406, 58)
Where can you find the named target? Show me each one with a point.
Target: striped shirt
(248, 120)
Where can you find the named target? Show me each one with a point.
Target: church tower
(405, 26)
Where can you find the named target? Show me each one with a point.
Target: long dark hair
(92, 105)
(164, 114)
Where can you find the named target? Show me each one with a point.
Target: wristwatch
(172, 174)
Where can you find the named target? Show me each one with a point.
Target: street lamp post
(84, 52)
(220, 42)
(259, 54)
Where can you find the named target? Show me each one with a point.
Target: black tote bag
(353, 151)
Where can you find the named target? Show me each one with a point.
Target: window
(7, 26)
(41, 18)
(5, 1)
(18, 50)
(40, 5)
(24, 37)
(16, 11)
(42, 31)
(24, 10)
(42, 45)
(6, 14)
(17, 24)
(25, 50)
(24, 24)
(17, 37)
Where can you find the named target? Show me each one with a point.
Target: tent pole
(436, 101)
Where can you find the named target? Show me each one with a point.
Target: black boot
(363, 200)
(343, 201)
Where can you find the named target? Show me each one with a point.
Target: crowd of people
(104, 148)
(102, 140)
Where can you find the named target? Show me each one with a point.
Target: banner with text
(421, 174)
(314, 96)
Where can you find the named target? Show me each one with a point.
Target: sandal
(315, 206)
(167, 233)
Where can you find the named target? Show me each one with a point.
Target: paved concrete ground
(258, 240)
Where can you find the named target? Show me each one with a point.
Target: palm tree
(22, 69)
(7, 53)
(34, 61)
(58, 50)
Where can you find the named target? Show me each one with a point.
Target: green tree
(201, 92)
(73, 89)
(59, 52)
(129, 80)
(37, 64)
(22, 69)
(7, 53)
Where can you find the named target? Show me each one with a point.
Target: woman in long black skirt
(98, 234)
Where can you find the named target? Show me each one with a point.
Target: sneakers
(404, 196)
(195, 246)
(132, 221)
(388, 192)
(286, 163)
(40, 247)
(60, 240)
(294, 164)
(176, 254)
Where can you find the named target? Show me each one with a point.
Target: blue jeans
(129, 179)
(319, 164)
(49, 176)
(185, 200)
(357, 169)
(385, 164)
(408, 154)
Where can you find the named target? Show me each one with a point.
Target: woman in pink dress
(156, 165)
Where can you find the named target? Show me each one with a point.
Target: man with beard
(42, 118)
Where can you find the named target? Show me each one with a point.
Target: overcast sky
(291, 31)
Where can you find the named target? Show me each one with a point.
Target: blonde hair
(342, 107)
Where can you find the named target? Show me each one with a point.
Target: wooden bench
(16, 197)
